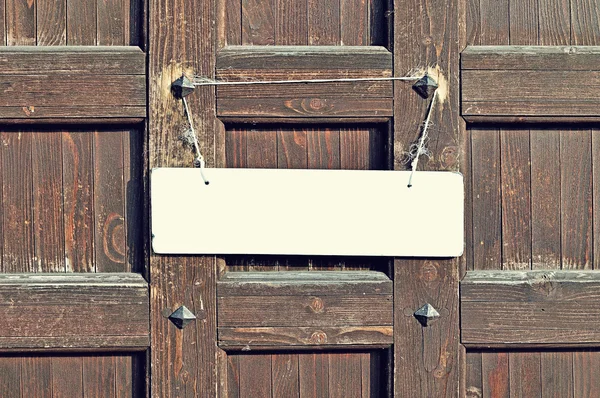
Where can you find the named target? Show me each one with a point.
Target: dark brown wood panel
(81, 22)
(285, 376)
(111, 310)
(557, 374)
(51, 22)
(525, 377)
(495, 374)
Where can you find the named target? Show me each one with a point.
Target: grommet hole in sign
(354, 212)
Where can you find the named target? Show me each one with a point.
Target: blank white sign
(307, 212)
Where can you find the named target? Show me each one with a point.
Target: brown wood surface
(109, 309)
(285, 376)
(524, 368)
(51, 22)
(495, 374)
(81, 22)
(557, 374)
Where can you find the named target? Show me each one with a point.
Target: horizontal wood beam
(42, 84)
(369, 99)
(74, 311)
(530, 84)
(301, 309)
(537, 308)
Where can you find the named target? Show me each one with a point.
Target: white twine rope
(205, 81)
(420, 149)
(190, 137)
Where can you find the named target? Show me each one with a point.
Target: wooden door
(73, 301)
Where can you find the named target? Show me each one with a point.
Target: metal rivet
(181, 317)
(425, 86)
(182, 87)
(426, 315)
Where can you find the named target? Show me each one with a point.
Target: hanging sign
(307, 212)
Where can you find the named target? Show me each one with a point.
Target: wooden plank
(2, 22)
(354, 22)
(585, 28)
(486, 174)
(51, 22)
(495, 22)
(529, 308)
(576, 199)
(291, 22)
(557, 374)
(523, 23)
(596, 195)
(253, 311)
(49, 236)
(124, 369)
(292, 151)
(78, 176)
(231, 338)
(109, 197)
(10, 382)
(524, 374)
(233, 376)
(258, 22)
(67, 377)
(345, 375)
(473, 375)
(233, 22)
(585, 382)
(322, 283)
(36, 377)
(20, 22)
(17, 201)
(81, 22)
(285, 377)
(135, 174)
(313, 375)
(516, 201)
(545, 199)
(355, 149)
(323, 148)
(495, 374)
(304, 57)
(554, 20)
(323, 22)
(98, 376)
(110, 309)
(255, 376)
(112, 22)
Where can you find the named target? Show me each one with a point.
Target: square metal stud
(181, 317)
(182, 87)
(425, 86)
(426, 315)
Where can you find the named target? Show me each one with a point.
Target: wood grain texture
(496, 374)
(473, 375)
(67, 377)
(233, 22)
(585, 384)
(354, 22)
(576, 199)
(10, 382)
(323, 148)
(258, 22)
(523, 22)
(98, 376)
(17, 199)
(49, 235)
(255, 376)
(36, 377)
(545, 199)
(110, 309)
(51, 22)
(20, 22)
(525, 378)
(554, 22)
(596, 195)
(516, 201)
(81, 22)
(345, 376)
(585, 25)
(557, 374)
(112, 22)
(313, 372)
(291, 22)
(324, 22)
(285, 376)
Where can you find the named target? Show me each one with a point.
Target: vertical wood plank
(473, 376)
(314, 375)
(494, 22)
(495, 374)
(233, 376)
(133, 183)
(516, 201)
(585, 381)
(545, 199)
(487, 219)
(17, 201)
(255, 376)
(10, 382)
(369, 377)
(585, 23)
(36, 376)
(354, 22)
(78, 201)
(292, 151)
(98, 376)
(596, 195)
(525, 378)
(123, 368)
(285, 375)
(323, 149)
(524, 22)
(473, 22)
(20, 22)
(576, 199)
(324, 22)
(233, 22)
(261, 149)
(258, 22)
(112, 22)
(2, 22)
(554, 22)
(51, 22)
(344, 375)
(49, 236)
(291, 22)
(557, 374)
(81, 22)
(109, 202)
(67, 377)
(355, 148)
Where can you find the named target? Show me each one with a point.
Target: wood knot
(317, 104)
(318, 337)
(429, 271)
(316, 305)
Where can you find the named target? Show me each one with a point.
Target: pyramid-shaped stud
(426, 315)
(182, 317)
(425, 86)
(182, 87)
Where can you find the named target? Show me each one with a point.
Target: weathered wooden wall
(534, 198)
